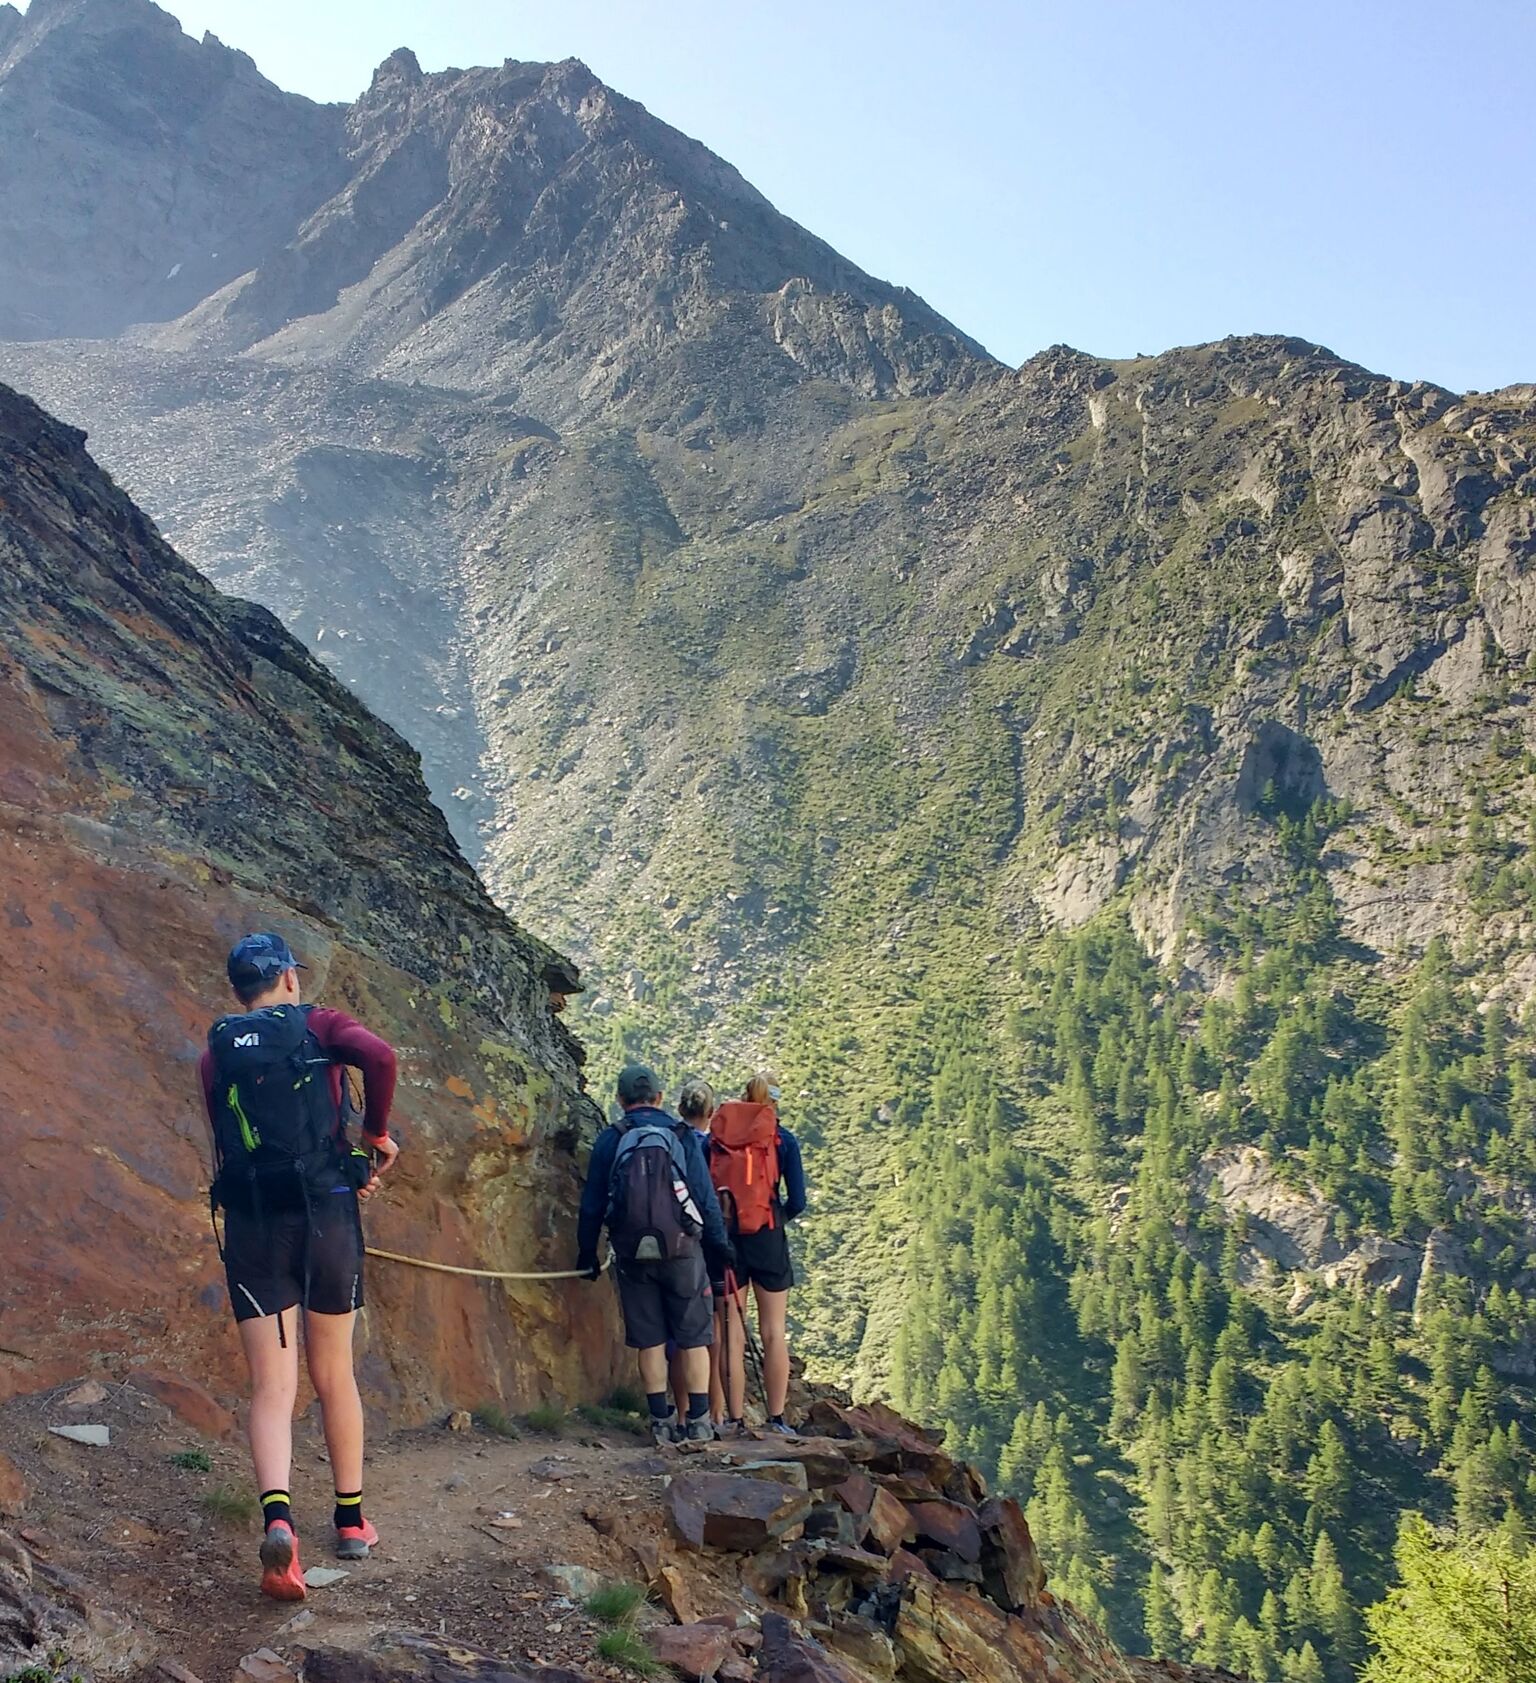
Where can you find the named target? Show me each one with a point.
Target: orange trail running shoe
(281, 1575)
(354, 1541)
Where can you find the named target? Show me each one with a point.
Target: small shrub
(624, 1648)
(227, 1506)
(625, 1399)
(492, 1417)
(192, 1460)
(611, 1419)
(615, 1604)
(547, 1417)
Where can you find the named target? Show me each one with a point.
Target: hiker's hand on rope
(385, 1151)
(587, 1266)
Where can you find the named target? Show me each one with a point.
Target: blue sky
(1121, 175)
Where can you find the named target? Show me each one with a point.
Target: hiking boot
(354, 1541)
(667, 1430)
(781, 1429)
(701, 1430)
(282, 1577)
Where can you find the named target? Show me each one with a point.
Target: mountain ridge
(1101, 788)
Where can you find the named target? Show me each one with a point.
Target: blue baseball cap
(259, 958)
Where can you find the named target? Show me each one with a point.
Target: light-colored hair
(696, 1102)
(757, 1088)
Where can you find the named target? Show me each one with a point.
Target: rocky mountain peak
(401, 68)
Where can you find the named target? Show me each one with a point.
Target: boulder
(826, 1461)
(857, 1564)
(578, 1582)
(725, 1511)
(953, 1568)
(831, 1522)
(949, 1526)
(13, 1487)
(676, 1594)
(890, 1525)
(905, 1564)
(856, 1492)
(695, 1651)
(778, 1471)
(789, 1658)
(945, 1634)
(864, 1643)
(1012, 1570)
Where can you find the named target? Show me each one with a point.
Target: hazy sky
(1122, 175)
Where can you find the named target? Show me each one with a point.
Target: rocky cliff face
(140, 170)
(176, 769)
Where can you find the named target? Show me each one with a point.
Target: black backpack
(277, 1132)
(651, 1213)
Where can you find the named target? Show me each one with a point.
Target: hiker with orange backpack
(755, 1163)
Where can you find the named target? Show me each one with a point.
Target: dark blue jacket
(791, 1174)
(594, 1195)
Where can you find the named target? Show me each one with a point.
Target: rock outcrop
(174, 770)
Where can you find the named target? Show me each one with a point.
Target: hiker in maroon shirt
(289, 1181)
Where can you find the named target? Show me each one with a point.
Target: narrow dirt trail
(128, 1519)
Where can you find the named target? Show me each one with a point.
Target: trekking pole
(725, 1347)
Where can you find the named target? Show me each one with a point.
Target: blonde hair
(757, 1088)
(696, 1102)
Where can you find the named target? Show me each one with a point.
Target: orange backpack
(744, 1163)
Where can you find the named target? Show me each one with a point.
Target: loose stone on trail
(97, 1437)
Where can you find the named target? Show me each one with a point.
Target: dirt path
(149, 1535)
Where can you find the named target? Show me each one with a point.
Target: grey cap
(638, 1085)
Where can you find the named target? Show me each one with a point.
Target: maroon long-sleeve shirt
(348, 1042)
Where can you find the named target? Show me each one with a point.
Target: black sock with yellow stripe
(349, 1510)
(274, 1506)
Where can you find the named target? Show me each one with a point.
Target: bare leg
(772, 1315)
(696, 1369)
(328, 1350)
(717, 1405)
(735, 1357)
(274, 1390)
(653, 1368)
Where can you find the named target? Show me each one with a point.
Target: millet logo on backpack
(247, 1040)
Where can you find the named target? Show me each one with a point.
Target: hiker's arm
(792, 1172)
(703, 1189)
(205, 1075)
(594, 1195)
(346, 1038)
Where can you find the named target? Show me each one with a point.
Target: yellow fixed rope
(475, 1273)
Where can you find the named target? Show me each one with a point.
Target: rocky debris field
(860, 1554)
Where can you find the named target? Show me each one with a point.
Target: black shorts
(762, 1259)
(266, 1257)
(666, 1301)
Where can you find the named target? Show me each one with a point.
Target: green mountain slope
(1103, 788)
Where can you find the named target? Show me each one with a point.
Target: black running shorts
(666, 1301)
(762, 1259)
(266, 1256)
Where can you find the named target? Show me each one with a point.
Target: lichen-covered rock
(176, 770)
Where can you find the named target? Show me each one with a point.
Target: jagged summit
(521, 229)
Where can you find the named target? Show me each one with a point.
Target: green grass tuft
(191, 1460)
(616, 1603)
(492, 1417)
(625, 1399)
(611, 1419)
(546, 1417)
(227, 1506)
(624, 1648)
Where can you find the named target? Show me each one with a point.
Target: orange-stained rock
(890, 1525)
(176, 770)
(13, 1487)
(1012, 1569)
(947, 1525)
(188, 1401)
(694, 1651)
(727, 1511)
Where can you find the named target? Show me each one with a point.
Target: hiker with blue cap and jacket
(649, 1184)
